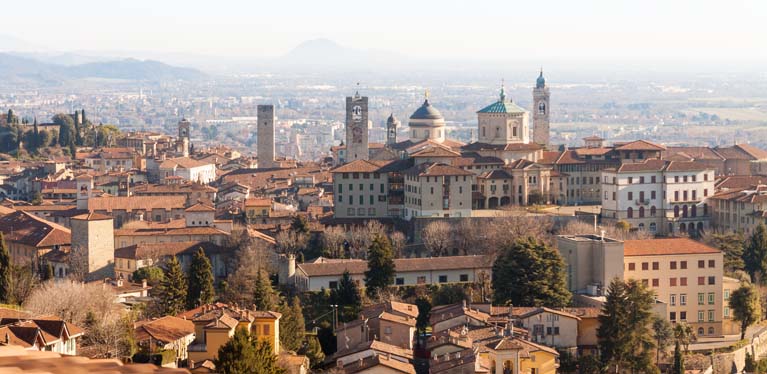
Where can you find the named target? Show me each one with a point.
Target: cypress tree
(36, 138)
(200, 281)
(173, 288)
(292, 327)
(313, 350)
(380, 273)
(755, 254)
(347, 295)
(678, 360)
(5, 271)
(263, 294)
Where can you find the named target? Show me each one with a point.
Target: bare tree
(437, 237)
(468, 236)
(333, 238)
(73, 301)
(252, 256)
(290, 241)
(398, 241)
(22, 282)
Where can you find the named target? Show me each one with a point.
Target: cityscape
(391, 188)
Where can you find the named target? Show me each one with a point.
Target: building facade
(356, 128)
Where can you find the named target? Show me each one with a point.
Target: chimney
(602, 236)
(143, 283)
(7, 338)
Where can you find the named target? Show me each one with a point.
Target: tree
(684, 335)
(678, 360)
(536, 270)
(744, 303)
(535, 198)
(263, 294)
(755, 253)
(623, 225)
(201, 289)
(251, 257)
(424, 312)
(625, 341)
(333, 238)
(48, 273)
(5, 267)
(291, 241)
(380, 273)
(238, 355)
(66, 129)
(448, 294)
(265, 359)
(732, 246)
(313, 350)
(153, 275)
(23, 280)
(292, 326)
(299, 224)
(347, 297)
(437, 237)
(173, 289)
(663, 333)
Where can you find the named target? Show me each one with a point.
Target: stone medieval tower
(265, 134)
(541, 111)
(356, 127)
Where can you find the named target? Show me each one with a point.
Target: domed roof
(391, 119)
(426, 111)
(541, 81)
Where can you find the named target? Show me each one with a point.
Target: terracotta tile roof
(200, 207)
(360, 166)
(592, 151)
(166, 329)
(495, 174)
(169, 189)
(537, 311)
(640, 145)
(436, 152)
(376, 360)
(741, 152)
(740, 181)
(593, 138)
(134, 203)
(139, 251)
(647, 165)
(16, 359)
(378, 346)
(549, 157)
(686, 166)
(446, 312)
(697, 153)
(30, 230)
(182, 162)
(525, 347)
(477, 146)
(91, 217)
(429, 169)
(401, 265)
(672, 246)
(258, 202)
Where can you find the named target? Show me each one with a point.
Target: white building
(437, 190)
(187, 169)
(660, 196)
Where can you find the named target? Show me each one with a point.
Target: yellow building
(515, 356)
(215, 324)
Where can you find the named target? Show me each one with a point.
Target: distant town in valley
(465, 203)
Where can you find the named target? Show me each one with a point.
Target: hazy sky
(687, 30)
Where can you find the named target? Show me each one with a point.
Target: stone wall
(734, 362)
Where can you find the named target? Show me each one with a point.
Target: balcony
(642, 202)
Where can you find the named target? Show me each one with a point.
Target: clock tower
(392, 123)
(541, 111)
(356, 127)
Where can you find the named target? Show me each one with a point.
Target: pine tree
(5, 270)
(678, 360)
(755, 254)
(732, 246)
(263, 294)
(238, 355)
(347, 296)
(380, 273)
(313, 350)
(265, 359)
(173, 288)
(201, 289)
(536, 270)
(292, 325)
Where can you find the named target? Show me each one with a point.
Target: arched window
(701, 331)
(705, 209)
(630, 213)
(676, 211)
(684, 211)
(652, 211)
(653, 227)
(711, 330)
(641, 226)
(483, 131)
(682, 227)
(542, 108)
(694, 211)
(641, 212)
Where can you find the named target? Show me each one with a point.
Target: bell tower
(183, 137)
(392, 123)
(356, 127)
(541, 110)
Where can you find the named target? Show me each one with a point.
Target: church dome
(541, 81)
(392, 119)
(426, 111)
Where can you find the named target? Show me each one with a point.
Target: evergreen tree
(173, 288)
(424, 312)
(313, 350)
(625, 341)
(347, 297)
(536, 271)
(238, 355)
(5, 270)
(263, 294)
(732, 246)
(744, 303)
(265, 359)
(201, 289)
(66, 129)
(663, 333)
(35, 137)
(755, 254)
(678, 360)
(300, 224)
(292, 325)
(380, 273)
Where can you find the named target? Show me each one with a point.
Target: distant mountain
(327, 53)
(14, 68)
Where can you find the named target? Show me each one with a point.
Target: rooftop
(661, 247)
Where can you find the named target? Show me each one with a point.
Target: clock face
(357, 113)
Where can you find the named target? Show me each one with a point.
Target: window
(683, 299)
(421, 279)
(683, 264)
(711, 316)
(700, 316)
(711, 280)
(266, 329)
(387, 330)
(641, 179)
(632, 266)
(727, 294)
(652, 195)
(672, 282)
(443, 279)
(683, 316)
(631, 196)
(672, 299)
(656, 282)
(673, 265)
(655, 265)
(711, 297)
(683, 281)
(652, 179)
(726, 312)
(701, 264)
(464, 277)
(672, 316)
(711, 263)
(701, 298)
(631, 180)
(399, 281)
(645, 266)
(701, 281)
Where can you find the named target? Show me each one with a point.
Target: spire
(357, 93)
(541, 81)
(503, 92)
(426, 96)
